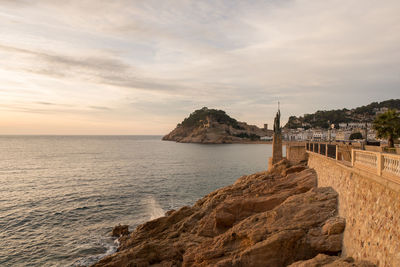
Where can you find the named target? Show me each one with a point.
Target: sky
(141, 67)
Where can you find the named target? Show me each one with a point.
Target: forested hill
(198, 117)
(213, 126)
(360, 114)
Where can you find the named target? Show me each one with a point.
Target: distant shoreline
(252, 142)
(226, 143)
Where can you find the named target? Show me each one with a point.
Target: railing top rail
(393, 156)
(365, 152)
(384, 165)
(388, 155)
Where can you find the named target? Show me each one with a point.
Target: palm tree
(387, 125)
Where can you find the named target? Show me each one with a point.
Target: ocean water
(60, 196)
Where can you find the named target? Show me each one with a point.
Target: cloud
(177, 56)
(99, 108)
(102, 70)
(45, 103)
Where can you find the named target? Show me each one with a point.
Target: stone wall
(296, 152)
(371, 206)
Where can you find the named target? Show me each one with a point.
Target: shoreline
(262, 219)
(222, 143)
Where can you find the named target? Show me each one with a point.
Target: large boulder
(276, 237)
(120, 230)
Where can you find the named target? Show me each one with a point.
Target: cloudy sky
(140, 67)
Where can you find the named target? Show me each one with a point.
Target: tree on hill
(369, 109)
(387, 125)
(200, 115)
(320, 118)
(355, 136)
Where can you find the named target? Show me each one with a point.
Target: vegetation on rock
(199, 116)
(248, 136)
(320, 118)
(213, 126)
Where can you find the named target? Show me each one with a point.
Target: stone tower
(276, 141)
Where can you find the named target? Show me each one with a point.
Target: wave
(153, 208)
(87, 261)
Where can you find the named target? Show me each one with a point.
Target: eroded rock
(264, 219)
(334, 225)
(209, 126)
(120, 230)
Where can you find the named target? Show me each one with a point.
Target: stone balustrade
(369, 202)
(382, 164)
(365, 159)
(391, 164)
(368, 184)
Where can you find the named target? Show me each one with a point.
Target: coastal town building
(319, 135)
(379, 111)
(352, 125)
(343, 133)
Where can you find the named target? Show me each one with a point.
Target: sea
(60, 196)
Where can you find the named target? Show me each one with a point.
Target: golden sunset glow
(138, 67)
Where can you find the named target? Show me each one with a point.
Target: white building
(352, 125)
(266, 138)
(319, 135)
(380, 110)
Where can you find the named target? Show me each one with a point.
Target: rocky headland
(275, 218)
(211, 126)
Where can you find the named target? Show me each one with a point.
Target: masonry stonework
(296, 153)
(371, 207)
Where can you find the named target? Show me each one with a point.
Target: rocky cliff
(274, 218)
(214, 127)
